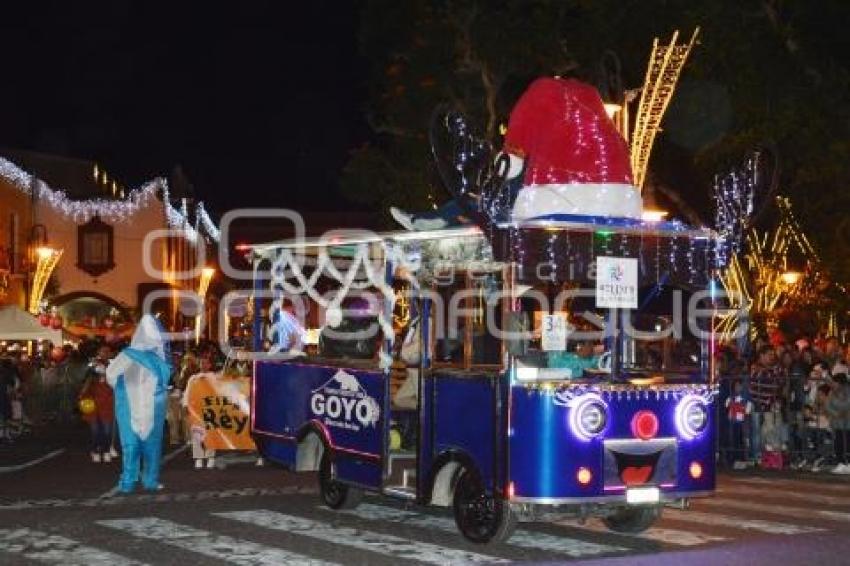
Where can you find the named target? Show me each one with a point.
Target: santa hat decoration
(576, 162)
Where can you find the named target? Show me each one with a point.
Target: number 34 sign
(554, 337)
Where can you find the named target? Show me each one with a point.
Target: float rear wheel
(336, 495)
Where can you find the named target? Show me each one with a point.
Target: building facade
(120, 252)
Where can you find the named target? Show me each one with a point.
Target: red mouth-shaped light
(634, 475)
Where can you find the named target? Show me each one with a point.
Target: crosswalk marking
(770, 527)
(795, 512)
(657, 534)
(229, 549)
(53, 503)
(522, 538)
(388, 545)
(54, 549)
(840, 484)
(804, 495)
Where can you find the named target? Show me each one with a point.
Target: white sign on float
(616, 282)
(554, 336)
(343, 402)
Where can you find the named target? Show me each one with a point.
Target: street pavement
(62, 510)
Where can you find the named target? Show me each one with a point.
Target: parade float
(558, 346)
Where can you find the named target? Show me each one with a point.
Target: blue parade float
(560, 364)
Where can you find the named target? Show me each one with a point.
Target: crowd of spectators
(786, 405)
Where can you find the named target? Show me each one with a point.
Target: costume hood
(148, 336)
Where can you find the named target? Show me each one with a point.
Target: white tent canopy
(17, 324)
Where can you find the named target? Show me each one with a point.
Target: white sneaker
(113, 453)
(403, 218)
(211, 463)
(816, 465)
(107, 458)
(839, 469)
(199, 464)
(425, 224)
(95, 457)
(739, 465)
(260, 462)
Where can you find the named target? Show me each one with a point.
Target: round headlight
(691, 416)
(588, 417)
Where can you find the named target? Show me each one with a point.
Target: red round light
(584, 476)
(645, 425)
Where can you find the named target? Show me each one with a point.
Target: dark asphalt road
(54, 512)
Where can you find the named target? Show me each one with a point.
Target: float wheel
(336, 495)
(632, 519)
(481, 518)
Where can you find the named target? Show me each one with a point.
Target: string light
(110, 210)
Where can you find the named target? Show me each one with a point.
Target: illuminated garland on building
(111, 210)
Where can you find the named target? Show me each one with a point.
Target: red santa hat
(576, 162)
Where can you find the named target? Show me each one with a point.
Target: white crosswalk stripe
(522, 538)
(388, 545)
(657, 534)
(221, 547)
(54, 549)
(770, 527)
(802, 495)
(795, 512)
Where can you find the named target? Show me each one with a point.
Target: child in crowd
(101, 415)
(738, 410)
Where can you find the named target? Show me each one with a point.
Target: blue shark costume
(139, 375)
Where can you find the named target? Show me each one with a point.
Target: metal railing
(797, 426)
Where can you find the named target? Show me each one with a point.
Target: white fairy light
(110, 210)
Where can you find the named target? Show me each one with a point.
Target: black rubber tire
(479, 517)
(632, 520)
(334, 494)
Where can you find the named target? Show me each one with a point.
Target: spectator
(766, 388)
(838, 410)
(832, 353)
(9, 383)
(819, 437)
(739, 410)
(175, 418)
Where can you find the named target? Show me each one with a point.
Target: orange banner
(220, 407)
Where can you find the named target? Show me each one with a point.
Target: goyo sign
(343, 403)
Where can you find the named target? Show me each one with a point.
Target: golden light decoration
(662, 74)
(759, 281)
(207, 274)
(46, 260)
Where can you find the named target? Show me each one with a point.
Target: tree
(476, 56)
(768, 71)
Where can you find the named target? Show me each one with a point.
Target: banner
(220, 408)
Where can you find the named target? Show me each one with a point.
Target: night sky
(260, 102)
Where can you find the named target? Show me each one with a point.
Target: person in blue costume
(139, 375)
